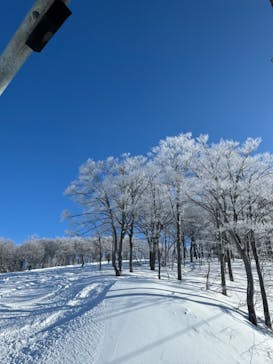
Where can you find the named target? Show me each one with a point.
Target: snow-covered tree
(108, 192)
(8, 261)
(153, 212)
(173, 157)
(225, 184)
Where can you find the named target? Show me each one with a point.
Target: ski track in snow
(52, 310)
(74, 315)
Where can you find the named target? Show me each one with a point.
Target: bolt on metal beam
(17, 51)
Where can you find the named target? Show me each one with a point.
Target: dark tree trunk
(120, 255)
(115, 241)
(250, 289)
(178, 231)
(164, 263)
(261, 282)
(159, 260)
(152, 260)
(153, 253)
(223, 275)
(100, 253)
(115, 254)
(131, 247)
(248, 249)
(150, 252)
(191, 249)
(178, 241)
(178, 249)
(207, 276)
(114, 263)
(184, 249)
(250, 282)
(120, 246)
(82, 260)
(195, 251)
(221, 254)
(230, 273)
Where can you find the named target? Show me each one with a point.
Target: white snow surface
(80, 315)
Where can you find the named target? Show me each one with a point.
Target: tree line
(189, 199)
(45, 252)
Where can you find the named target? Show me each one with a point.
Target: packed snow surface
(80, 315)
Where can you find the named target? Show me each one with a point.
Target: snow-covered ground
(79, 315)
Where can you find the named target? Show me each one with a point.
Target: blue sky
(119, 76)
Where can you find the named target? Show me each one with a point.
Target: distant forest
(45, 252)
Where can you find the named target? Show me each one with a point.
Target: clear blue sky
(119, 76)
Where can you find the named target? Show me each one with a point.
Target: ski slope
(80, 315)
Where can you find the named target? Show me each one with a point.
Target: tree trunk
(131, 247)
(159, 260)
(195, 251)
(152, 254)
(184, 249)
(115, 254)
(100, 253)
(178, 243)
(250, 282)
(207, 276)
(221, 255)
(229, 266)
(223, 276)
(191, 250)
(114, 263)
(82, 260)
(165, 256)
(261, 282)
(114, 243)
(120, 249)
(152, 260)
(250, 289)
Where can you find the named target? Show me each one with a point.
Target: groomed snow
(80, 315)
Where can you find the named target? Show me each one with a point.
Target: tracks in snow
(52, 309)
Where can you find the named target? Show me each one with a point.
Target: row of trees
(216, 196)
(45, 252)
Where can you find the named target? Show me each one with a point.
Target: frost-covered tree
(108, 192)
(92, 191)
(8, 261)
(32, 254)
(153, 212)
(134, 185)
(172, 157)
(225, 184)
(217, 196)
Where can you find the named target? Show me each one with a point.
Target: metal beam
(17, 52)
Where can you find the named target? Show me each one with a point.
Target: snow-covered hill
(79, 315)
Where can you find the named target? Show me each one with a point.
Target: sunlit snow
(80, 315)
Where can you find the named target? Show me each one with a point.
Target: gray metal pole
(17, 52)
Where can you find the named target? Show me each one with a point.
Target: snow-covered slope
(79, 315)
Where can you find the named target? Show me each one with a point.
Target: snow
(80, 315)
